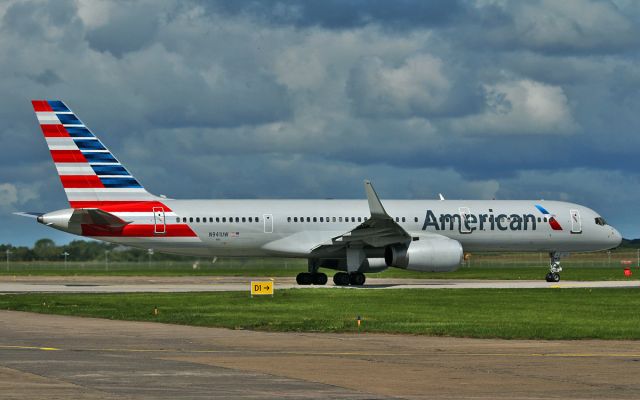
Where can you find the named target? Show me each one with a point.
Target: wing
(379, 230)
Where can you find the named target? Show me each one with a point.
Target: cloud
(8, 194)
(12, 195)
(521, 107)
(123, 28)
(419, 87)
(339, 14)
(555, 27)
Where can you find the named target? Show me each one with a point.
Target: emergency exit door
(268, 223)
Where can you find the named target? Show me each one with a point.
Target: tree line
(81, 250)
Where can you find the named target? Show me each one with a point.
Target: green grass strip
(478, 313)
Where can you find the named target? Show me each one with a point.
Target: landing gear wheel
(319, 279)
(357, 279)
(341, 279)
(554, 268)
(304, 278)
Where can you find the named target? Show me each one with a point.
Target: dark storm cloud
(340, 14)
(32, 18)
(475, 99)
(131, 27)
(552, 27)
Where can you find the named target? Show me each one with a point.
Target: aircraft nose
(615, 237)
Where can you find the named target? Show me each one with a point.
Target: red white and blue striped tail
(91, 176)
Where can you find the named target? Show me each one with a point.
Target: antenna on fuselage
(440, 196)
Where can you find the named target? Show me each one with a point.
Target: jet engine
(426, 254)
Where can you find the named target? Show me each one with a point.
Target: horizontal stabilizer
(98, 217)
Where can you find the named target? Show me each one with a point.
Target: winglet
(375, 206)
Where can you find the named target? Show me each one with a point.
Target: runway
(119, 284)
(60, 357)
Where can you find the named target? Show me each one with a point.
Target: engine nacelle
(373, 265)
(426, 254)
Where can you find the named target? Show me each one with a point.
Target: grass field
(480, 313)
(587, 266)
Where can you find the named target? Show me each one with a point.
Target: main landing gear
(353, 279)
(311, 278)
(554, 268)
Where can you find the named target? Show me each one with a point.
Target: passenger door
(576, 222)
(159, 225)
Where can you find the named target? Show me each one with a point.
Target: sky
(285, 99)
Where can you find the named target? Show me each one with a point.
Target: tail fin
(91, 176)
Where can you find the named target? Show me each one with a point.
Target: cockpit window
(600, 221)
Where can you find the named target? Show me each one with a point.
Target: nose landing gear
(554, 268)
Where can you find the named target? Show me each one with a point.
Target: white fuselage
(293, 228)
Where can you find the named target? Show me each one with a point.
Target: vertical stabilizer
(90, 174)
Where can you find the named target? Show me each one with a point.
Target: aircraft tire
(320, 278)
(357, 279)
(304, 278)
(341, 279)
(556, 277)
(549, 277)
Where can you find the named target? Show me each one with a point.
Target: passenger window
(244, 219)
(359, 219)
(217, 219)
(224, 219)
(315, 219)
(365, 218)
(397, 219)
(308, 219)
(295, 219)
(257, 219)
(415, 219)
(237, 219)
(403, 219)
(197, 219)
(321, 219)
(539, 219)
(191, 219)
(340, 219)
(288, 219)
(334, 219)
(250, 219)
(184, 219)
(178, 220)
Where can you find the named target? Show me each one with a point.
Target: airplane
(353, 237)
